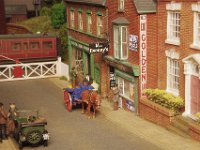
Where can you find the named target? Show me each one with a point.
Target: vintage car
(30, 128)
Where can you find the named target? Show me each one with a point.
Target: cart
(29, 128)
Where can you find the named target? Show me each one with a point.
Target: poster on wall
(112, 80)
(143, 52)
(133, 42)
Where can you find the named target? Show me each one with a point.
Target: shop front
(86, 58)
(126, 76)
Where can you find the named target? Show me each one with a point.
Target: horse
(93, 100)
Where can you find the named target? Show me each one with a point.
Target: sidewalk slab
(146, 130)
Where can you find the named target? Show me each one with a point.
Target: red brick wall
(194, 131)
(17, 18)
(155, 113)
(2, 18)
(186, 38)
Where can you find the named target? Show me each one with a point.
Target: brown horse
(92, 99)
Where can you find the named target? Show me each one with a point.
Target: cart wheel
(34, 137)
(68, 101)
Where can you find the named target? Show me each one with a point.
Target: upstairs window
(120, 42)
(80, 21)
(173, 23)
(99, 26)
(196, 26)
(89, 23)
(121, 5)
(72, 19)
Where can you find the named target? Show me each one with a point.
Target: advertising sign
(133, 42)
(98, 47)
(143, 52)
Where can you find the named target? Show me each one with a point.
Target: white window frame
(173, 72)
(99, 26)
(89, 23)
(173, 23)
(118, 42)
(196, 26)
(121, 5)
(122, 89)
(80, 21)
(72, 20)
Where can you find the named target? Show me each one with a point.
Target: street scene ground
(69, 130)
(111, 130)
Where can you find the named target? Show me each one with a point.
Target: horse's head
(98, 101)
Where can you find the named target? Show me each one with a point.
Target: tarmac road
(68, 130)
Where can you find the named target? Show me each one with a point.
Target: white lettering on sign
(143, 52)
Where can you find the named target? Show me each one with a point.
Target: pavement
(135, 125)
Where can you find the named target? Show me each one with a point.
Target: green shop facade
(114, 71)
(126, 75)
(83, 60)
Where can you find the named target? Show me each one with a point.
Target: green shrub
(198, 117)
(165, 99)
(58, 15)
(45, 11)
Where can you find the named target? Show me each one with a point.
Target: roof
(28, 3)
(145, 6)
(120, 20)
(91, 2)
(15, 9)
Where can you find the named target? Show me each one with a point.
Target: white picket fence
(34, 70)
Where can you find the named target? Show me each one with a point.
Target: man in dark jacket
(3, 119)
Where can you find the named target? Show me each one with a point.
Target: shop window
(79, 61)
(120, 42)
(126, 88)
(47, 45)
(34, 45)
(16, 46)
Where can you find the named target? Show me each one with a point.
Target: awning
(123, 65)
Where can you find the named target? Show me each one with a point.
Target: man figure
(73, 76)
(116, 92)
(3, 119)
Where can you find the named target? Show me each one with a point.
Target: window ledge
(121, 10)
(195, 46)
(173, 91)
(173, 42)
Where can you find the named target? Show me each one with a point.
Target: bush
(58, 15)
(165, 99)
(45, 11)
(198, 117)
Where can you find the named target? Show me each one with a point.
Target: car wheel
(34, 137)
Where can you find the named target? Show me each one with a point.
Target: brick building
(2, 18)
(87, 24)
(179, 51)
(132, 35)
(130, 28)
(15, 13)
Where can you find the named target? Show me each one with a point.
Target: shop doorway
(79, 61)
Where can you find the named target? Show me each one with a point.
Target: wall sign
(133, 42)
(143, 52)
(98, 47)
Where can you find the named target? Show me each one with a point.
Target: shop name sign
(98, 47)
(143, 52)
